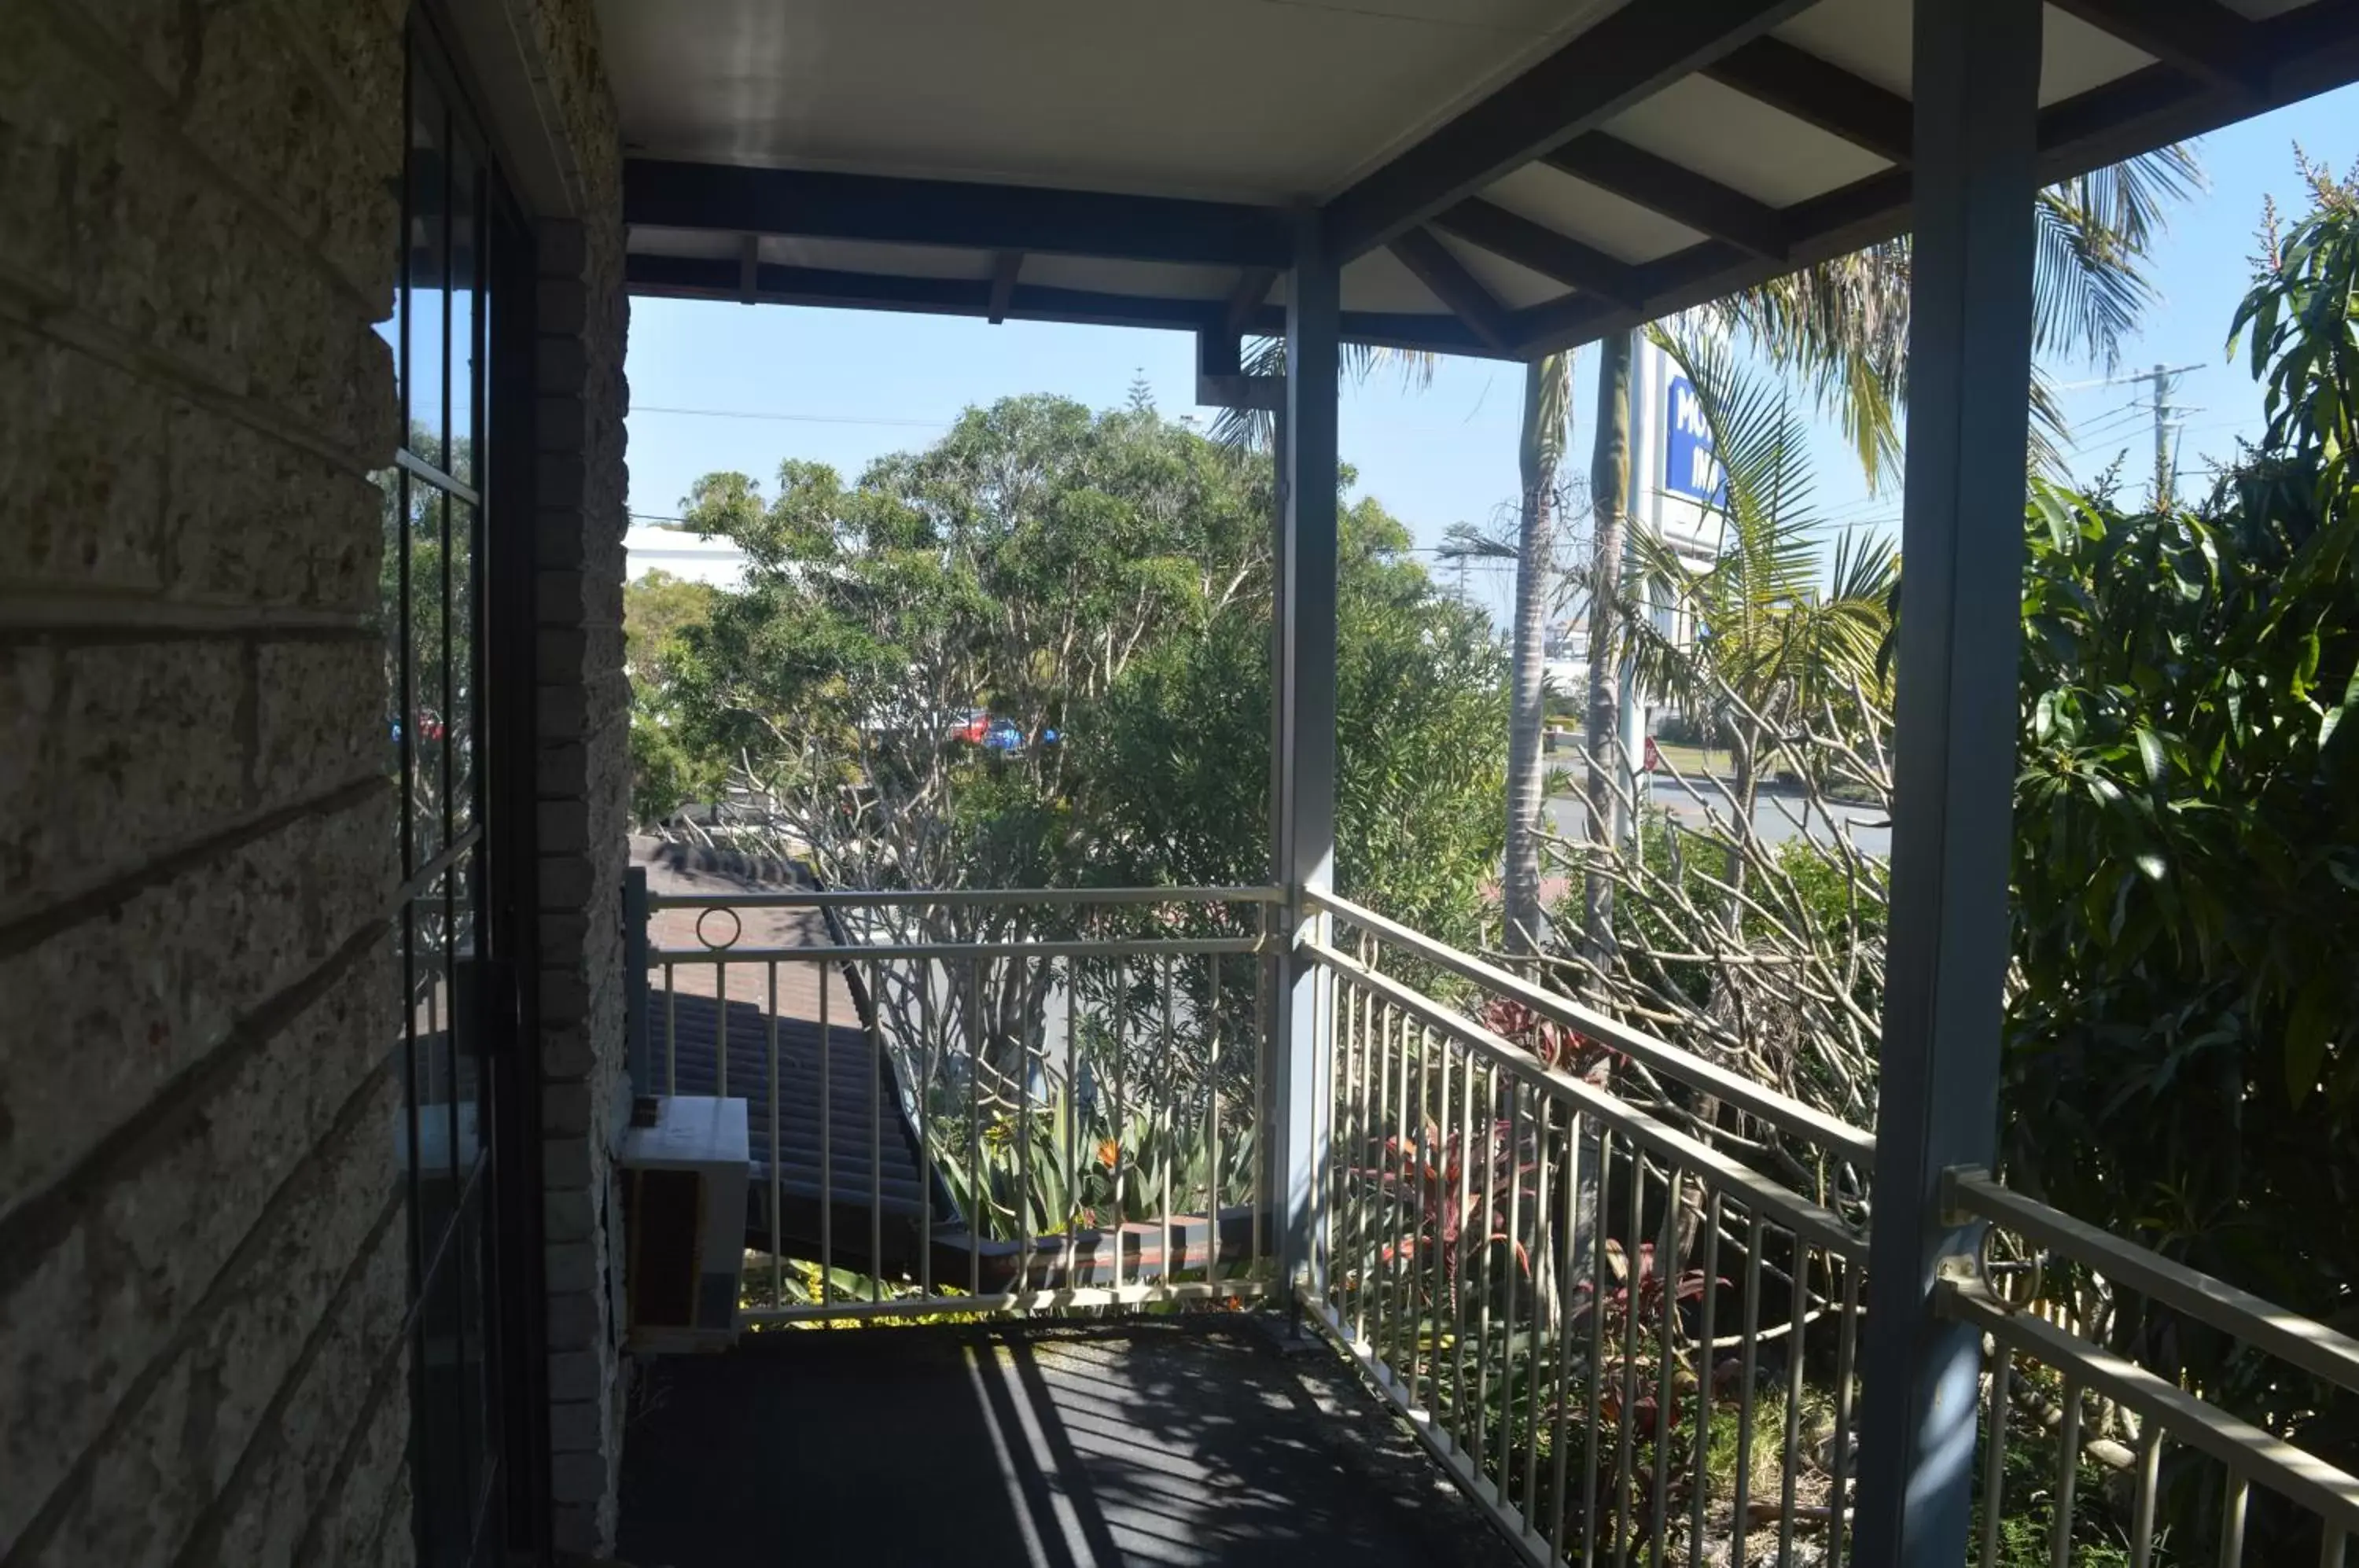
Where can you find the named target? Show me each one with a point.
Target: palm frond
(1253, 429)
(1841, 328)
(2051, 430)
(1762, 442)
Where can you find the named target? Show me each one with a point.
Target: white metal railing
(1618, 1324)
(1623, 1340)
(978, 1099)
(2192, 1465)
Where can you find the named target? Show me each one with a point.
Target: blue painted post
(1305, 735)
(1976, 90)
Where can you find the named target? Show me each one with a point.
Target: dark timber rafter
(1617, 62)
(1006, 266)
(2312, 49)
(967, 215)
(1800, 83)
(1541, 249)
(1673, 190)
(1253, 288)
(2301, 52)
(2205, 40)
(1451, 284)
(706, 277)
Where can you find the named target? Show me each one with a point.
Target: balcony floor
(1164, 1443)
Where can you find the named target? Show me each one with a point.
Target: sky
(725, 385)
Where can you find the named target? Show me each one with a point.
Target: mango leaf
(2310, 1030)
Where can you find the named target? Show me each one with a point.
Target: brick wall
(203, 1251)
(583, 719)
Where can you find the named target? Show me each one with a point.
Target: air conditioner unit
(685, 1171)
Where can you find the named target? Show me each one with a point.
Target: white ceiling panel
(1261, 100)
(2075, 57)
(858, 255)
(1744, 143)
(1870, 38)
(1513, 286)
(1873, 39)
(1247, 98)
(1597, 218)
(1377, 281)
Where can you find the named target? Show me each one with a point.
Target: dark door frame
(511, 789)
(502, 1001)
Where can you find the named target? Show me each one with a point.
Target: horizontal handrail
(2246, 1450)
(1809, 1220)
(1009, 1301)
(2291, 1338)
(1789, 1114)
(1177, 947)
(947, 897)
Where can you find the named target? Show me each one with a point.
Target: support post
(1304, 759)
(634, 980)
(1976, 89)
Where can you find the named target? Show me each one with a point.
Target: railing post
(1303, 759)
(1976, 91)
(635, 979)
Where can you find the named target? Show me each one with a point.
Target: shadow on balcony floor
(1160, 1443)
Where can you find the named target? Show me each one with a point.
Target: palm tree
(1609, 492)
(1783, 639)
(1548, 400)
(1841, 328)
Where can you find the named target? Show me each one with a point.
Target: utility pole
(2157, 383)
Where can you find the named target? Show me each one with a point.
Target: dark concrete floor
(1165, 1443)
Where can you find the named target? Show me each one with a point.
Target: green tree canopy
(1104, 579)
(2187, 855)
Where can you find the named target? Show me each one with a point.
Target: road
(1775, 817)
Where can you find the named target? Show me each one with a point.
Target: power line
(2125, 379)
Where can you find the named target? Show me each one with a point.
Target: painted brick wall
(583, 715)
(202, 1252)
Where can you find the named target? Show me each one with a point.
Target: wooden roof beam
(1451, 284)
(2310, 51)
(1797, 82)
(1619, 62)
(962, 215)
(1007, 266)
(2205, 40)
(1253, 288)
(717, 277)
(1538, 248)
(1673, 190)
